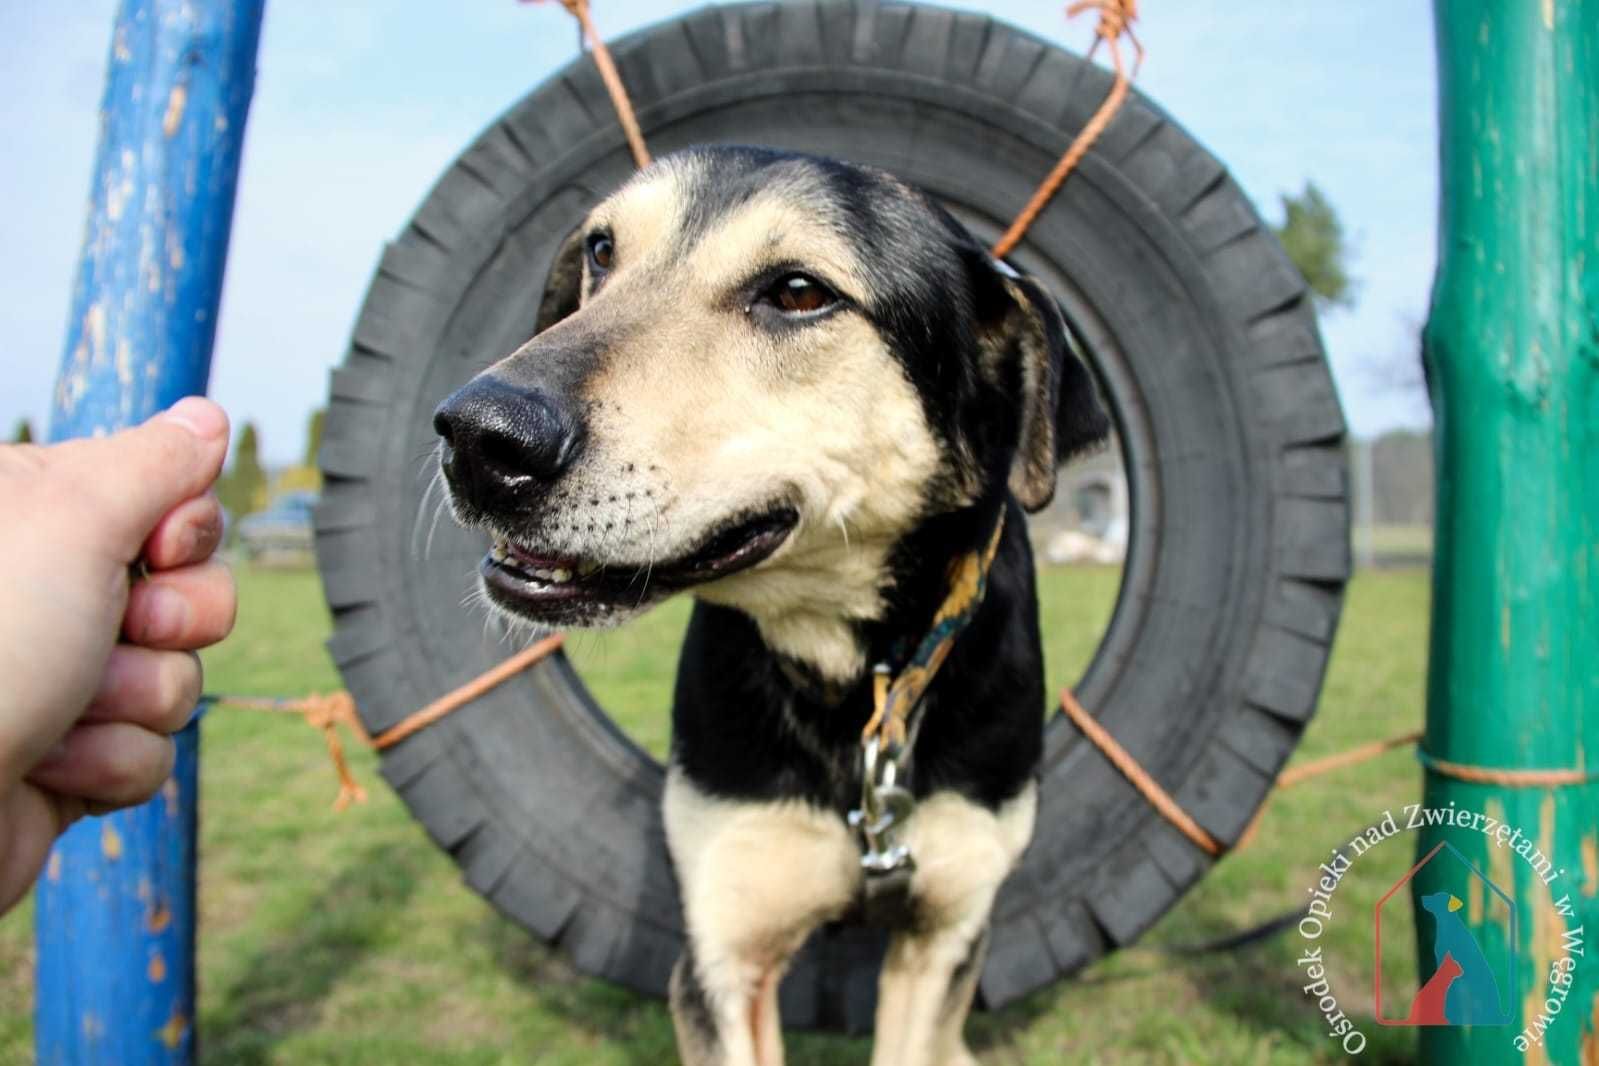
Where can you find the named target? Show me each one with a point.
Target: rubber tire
(1202, 334)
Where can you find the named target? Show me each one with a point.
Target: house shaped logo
(1467, 937)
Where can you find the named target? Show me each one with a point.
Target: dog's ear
(563, 289)
(1059, 407)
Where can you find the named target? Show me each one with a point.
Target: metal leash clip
(884, 810)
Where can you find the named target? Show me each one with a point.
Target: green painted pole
(1512, 349)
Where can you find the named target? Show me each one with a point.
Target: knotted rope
(1115, 19)
(1169, 809)
(579, 9)
(326, 712)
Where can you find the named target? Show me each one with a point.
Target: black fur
(990, 358)
(1005, 398)
(690, 1004)
(747, 725)
(744, 727)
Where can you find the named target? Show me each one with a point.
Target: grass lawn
(350, 939)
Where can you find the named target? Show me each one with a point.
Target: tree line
(245, 486)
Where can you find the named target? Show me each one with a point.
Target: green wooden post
(1513, 356)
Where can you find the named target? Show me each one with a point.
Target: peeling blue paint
(139, 336)
(178, 89)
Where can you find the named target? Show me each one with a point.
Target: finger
(30, 821)
(183, 609)
(131, 479)
(141, 686)
(189, 533)
(107, 762)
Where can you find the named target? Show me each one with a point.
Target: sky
(360, 105)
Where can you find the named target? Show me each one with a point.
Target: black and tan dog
(802, 390)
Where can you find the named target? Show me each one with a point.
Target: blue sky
(360, 105)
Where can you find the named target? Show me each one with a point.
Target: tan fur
(963, 853)
(646, 209)
(696, 416)
(755, 880)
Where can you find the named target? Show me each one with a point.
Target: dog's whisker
(649, 569)
(438, 513)
(433, 485)
(444, 500)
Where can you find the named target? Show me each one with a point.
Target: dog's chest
(756, 876)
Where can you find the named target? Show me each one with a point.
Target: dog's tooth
(562, 576)
(588, 568)
(543, 575)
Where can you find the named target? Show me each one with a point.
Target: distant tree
(1314, 239)
(297, 478)
(313, 435)
(244, 487)
(23, 434)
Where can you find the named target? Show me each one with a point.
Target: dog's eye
(601, 251)
(798, 294)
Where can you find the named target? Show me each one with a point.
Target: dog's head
(754, 373)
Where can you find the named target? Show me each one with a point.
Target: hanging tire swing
(1204, 341)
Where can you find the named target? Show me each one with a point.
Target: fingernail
(199, 416)
(166, 615)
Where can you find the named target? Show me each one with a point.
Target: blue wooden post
(115, 908)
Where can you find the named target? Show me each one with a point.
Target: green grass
(350, 939)
(1401, 542)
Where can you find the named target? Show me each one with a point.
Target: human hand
(84, 717)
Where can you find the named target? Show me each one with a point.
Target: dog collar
(886, 742)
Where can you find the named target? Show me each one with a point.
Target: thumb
(133, 478)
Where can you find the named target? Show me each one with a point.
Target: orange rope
(460, 697)
(1163, 803)
(1115, 19)
(1158, 797)
(1484, 775)
(579, 10)
(1316, 767)
(323, 713)
(326, 713)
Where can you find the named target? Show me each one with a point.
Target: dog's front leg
(929, 977)
(756, 878)
(729, 1018)
(924, 995)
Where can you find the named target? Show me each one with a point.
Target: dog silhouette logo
(1466, 934)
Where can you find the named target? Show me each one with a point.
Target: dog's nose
(507, 443)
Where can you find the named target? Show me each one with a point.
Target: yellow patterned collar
(895, 699)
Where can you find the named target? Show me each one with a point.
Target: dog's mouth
(556, 588)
